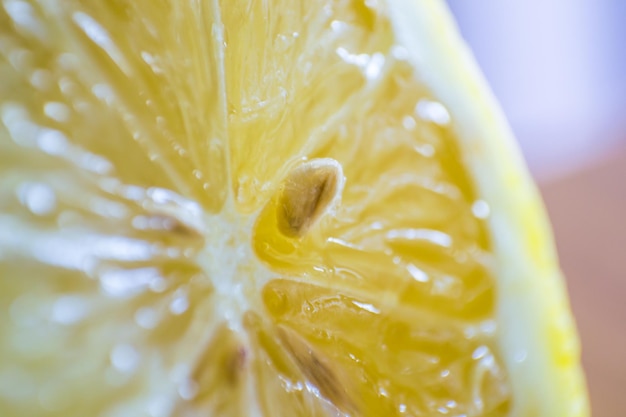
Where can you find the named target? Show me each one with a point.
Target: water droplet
(158, 284)
(95, 163)
(425, 149)
(433, 236)
(377, 226)
(480, 352)
(432, 111)
(197, 173)
(21, 130)
(366, 307)
(147, 317)
(481, 209)
(67, 61)
(127, 282)
(409, 123)
(69, 310)
(369, 65)
(23, 15)
(167, 198)
(374, 66)
(41, 79)
(180, 303)
(39, 198)
(140, 222)
(338, 26)
(52, 142)
(125, 358)
(400, 53)
(417, 274)
(152, 62)
(188, 389)
(57, 111)
(100, 37)
(104, 93)
(133, 192)
(108, 208)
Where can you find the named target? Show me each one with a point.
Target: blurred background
(558, 68)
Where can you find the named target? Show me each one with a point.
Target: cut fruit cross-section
(267, 208)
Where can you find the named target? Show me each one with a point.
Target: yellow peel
(537, 333)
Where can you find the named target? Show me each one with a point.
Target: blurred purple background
(558, 67)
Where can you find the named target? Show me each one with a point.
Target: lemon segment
(267, 209)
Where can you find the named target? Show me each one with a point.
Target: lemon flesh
(267, 209)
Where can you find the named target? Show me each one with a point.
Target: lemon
(267, 208)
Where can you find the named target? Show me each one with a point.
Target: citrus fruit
(267, 208)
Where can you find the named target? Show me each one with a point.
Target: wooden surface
(588, 214)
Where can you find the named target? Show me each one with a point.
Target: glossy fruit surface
(266, 208)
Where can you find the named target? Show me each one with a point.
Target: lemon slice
(267, 208)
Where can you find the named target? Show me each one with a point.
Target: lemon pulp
(231, 208)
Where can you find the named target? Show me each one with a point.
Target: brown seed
(236, 365)
(225, 359)
(308, 192)
(317, 370)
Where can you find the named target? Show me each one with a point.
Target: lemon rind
(537, 336)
